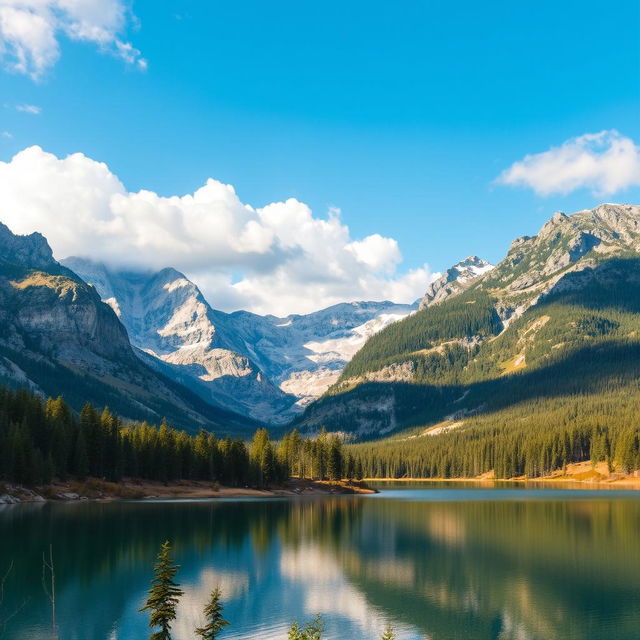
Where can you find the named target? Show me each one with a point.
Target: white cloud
(278, 259)
(604, 162)
(31, 109)
(7, 135)
(378, 253)
(30, 31)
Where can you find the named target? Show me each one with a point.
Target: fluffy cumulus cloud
(30, 31)
(277, 259)
(605, 163)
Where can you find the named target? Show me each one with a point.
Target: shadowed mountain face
(59, 338)
(264, 367)
(560, 314)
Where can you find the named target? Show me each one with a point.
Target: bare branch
(4, 579)
(5, 621)
(50, 590)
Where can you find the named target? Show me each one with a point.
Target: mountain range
(58, 338)
(558, 316)
(150, 346)
(264, 367)
(551, 317)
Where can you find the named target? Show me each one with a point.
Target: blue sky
(402, 114)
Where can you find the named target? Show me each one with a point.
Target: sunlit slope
(559, 315)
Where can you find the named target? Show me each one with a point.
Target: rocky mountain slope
(455, 279)
(559, 309)
(265, 367)
(58, 337)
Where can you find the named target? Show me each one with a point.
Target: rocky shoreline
(95, 489)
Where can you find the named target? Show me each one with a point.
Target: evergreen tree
(388, 634)
(334, 459)
(313, 630)
(213, 613)
(81, 458)
(163, 595)
(263, 458)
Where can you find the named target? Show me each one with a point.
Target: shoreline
(578, 475)
(96, 490)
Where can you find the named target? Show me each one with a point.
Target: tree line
(42, 440)
(532, 439)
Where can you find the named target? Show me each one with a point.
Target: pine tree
(312, 630)
(334, 459)
(213, 613)
(163, 595)
(263, 458)
(81, 458)
(388, 634)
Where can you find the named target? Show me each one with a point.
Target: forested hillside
(58, 338)
(558, 318)
(45, 440)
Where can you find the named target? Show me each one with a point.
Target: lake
(437, 561)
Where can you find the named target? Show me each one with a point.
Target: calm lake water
(438, 562)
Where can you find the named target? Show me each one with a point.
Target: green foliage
(533, 439)
(213, 613)
(320, 458)
(464, 316)
(163, 595)
(334, 459)
(312, 630)
(263, 458)
(41, 440)
(581, 339)
(388, 634)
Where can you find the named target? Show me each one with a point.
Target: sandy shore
(94, 489)
(579, 475)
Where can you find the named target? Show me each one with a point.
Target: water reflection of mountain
(506, 570)
(512, 570)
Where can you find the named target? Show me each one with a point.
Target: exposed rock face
(168, 318)
(263, 366)
(304, 354)
(598, 247)
(43, 303)
(535, 265)
(27, 251)
(58, 337)
(455, 279)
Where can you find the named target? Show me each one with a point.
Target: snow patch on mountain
(455, 279)
(265, 367)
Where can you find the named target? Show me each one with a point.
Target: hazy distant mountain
(265, 367)
(58, 337)
(556, 316)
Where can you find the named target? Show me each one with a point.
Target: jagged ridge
(554, 295)
(59, 338)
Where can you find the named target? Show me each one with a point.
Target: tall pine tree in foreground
(213, 613)
(163, 595)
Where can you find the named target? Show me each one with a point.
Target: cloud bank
(277, 259)
(604, 163)
(30, 31)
